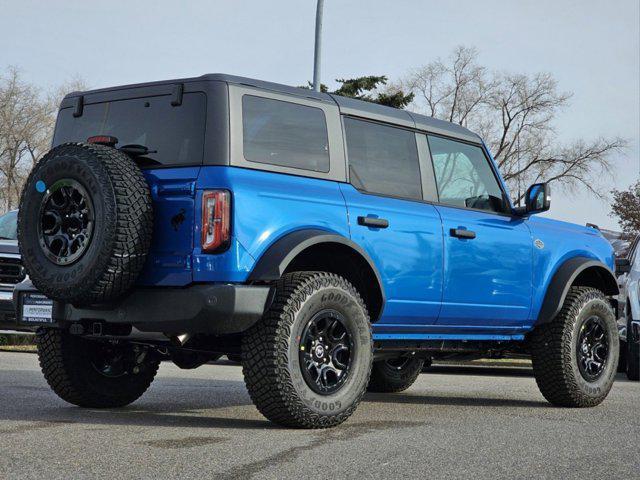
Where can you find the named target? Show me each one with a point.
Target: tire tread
(265, 368)
(62, 364)
(551, 353)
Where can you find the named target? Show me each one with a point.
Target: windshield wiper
(6, 238)
(136, 150)
(138, 154)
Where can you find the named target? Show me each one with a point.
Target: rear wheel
(575, 356)
(94, 374)
(307, 362)
(395, 375)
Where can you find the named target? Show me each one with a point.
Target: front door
(487, 252)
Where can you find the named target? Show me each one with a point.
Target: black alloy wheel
(325, 352)
(110, 361)
(66, 222)
(592, 348)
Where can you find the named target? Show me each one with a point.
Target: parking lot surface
(453, 423)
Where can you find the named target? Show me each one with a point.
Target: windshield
(175, 134)
(9, 226)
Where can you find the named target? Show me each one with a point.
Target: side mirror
(538, 198)
(623, 265)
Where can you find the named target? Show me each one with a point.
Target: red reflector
(103, 140)
(215, 219)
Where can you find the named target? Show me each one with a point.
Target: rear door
(174, 134)
(389, 218)
(487, 252)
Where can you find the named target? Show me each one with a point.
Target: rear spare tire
(85, 223)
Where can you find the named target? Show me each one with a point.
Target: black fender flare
(275, 260)
(564, 278)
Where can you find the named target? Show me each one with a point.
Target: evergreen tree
(366, 88)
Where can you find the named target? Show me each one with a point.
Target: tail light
(216, 212)
(107, 140)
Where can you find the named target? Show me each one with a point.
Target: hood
(560, 225)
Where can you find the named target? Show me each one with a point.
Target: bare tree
(27, 119)
(514, 113)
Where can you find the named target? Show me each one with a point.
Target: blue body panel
(562, 241)
(487, 279)
(408, 255)
(265, 207)
(170, 259)
(436, 286)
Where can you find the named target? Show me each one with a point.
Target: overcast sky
(591, 46)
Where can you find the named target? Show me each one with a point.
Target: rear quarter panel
(265, 207)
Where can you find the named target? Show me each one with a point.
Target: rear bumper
(214, 309)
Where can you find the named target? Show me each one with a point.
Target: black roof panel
(348, 106)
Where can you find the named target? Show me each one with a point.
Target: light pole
(318, 47)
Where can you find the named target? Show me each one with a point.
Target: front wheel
(94, 374)
(307, 363)
(575, 356)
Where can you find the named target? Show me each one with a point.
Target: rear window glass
(284, 134)
(177, 133)
(383, 159)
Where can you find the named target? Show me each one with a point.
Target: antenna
(318, 47)
(519, 180)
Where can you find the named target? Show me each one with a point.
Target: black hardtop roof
(348, 106)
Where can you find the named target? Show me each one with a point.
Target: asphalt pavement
(453, 423)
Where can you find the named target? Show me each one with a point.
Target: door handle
(462, 233)
(373, 222)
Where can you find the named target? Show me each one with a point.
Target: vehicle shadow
(190, 403)
(479, 371)
(426, 399)
(622, 378)
(124, 417)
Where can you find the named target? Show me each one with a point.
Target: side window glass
(463, 176)
(285, 134)
(383, 159)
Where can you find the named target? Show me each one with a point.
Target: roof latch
(176, 98)
(77, 112)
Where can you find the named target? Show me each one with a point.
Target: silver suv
(628, 271)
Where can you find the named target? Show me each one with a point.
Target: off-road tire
(389, 377)
(122, 229)
(270, 352)
(554, 351)
(64, 362)
(622, 358)
(632, 355)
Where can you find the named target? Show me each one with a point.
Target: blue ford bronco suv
(334, 244)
